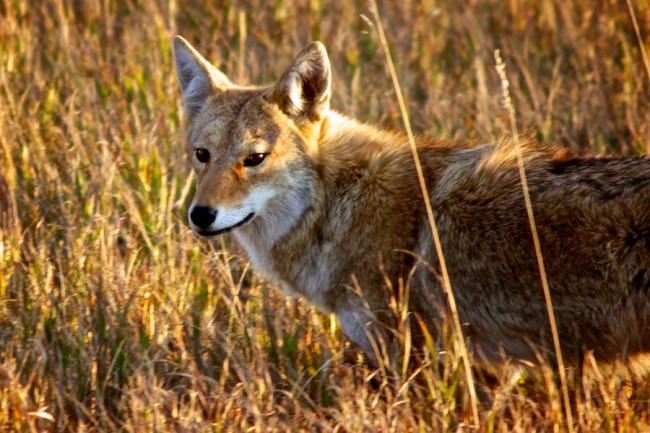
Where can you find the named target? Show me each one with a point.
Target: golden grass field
(114, 317)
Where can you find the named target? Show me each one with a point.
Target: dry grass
(114, 317)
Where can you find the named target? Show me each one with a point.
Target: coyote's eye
(254, 159)
(203, 155)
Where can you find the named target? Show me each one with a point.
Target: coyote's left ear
(303, 91)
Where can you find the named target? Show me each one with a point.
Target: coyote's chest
(304, 271)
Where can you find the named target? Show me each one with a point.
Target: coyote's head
(250, 146)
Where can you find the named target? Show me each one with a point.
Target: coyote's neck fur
(354, 166)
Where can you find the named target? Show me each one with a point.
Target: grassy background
(114, 317)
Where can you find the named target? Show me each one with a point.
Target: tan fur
(342, 209)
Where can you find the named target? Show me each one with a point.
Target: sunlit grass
(113, 316)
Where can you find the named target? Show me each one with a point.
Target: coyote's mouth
(211, 234)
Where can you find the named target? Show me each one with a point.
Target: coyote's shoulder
(333, 209)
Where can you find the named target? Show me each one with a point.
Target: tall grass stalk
(460, 340)
(637, 32)
(507, 102)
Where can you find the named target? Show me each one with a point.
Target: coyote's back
(332, 209)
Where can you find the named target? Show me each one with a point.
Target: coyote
(332, 209)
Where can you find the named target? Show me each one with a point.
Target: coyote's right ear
(197, 77)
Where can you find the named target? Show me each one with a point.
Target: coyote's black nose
(203, 216)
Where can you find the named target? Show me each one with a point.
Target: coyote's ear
(197, 77)
(303, 91)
